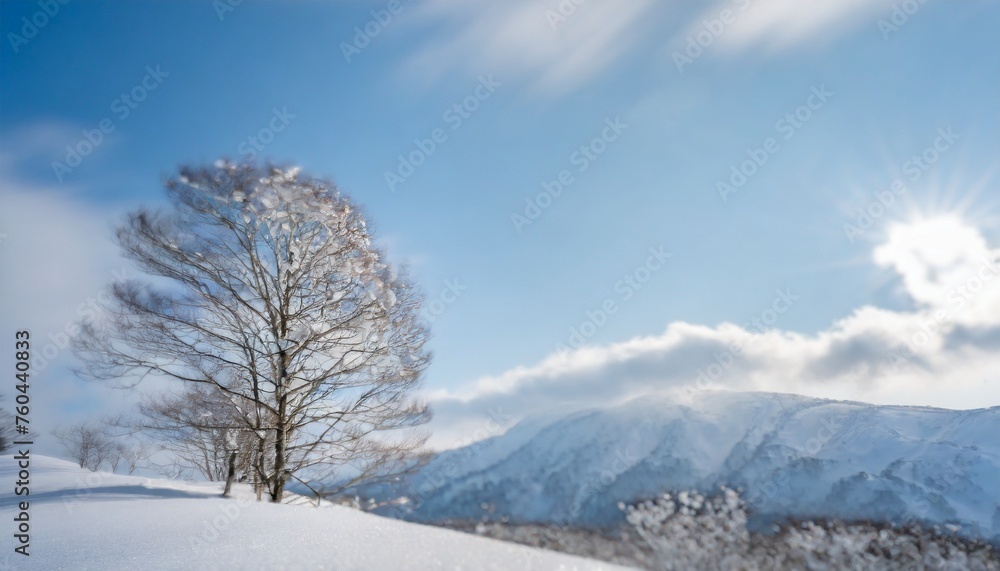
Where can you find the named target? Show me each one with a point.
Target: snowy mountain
(792, 456)
(95, 520)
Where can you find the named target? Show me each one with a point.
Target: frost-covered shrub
(689, 531)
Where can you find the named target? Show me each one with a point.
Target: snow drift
(95, 520)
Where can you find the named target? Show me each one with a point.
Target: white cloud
(57, 257)
(934, 258)
(944, 352)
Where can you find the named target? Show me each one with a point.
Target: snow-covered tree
(688, 530)
(269, 291)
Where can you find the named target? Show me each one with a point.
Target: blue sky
(555, 84)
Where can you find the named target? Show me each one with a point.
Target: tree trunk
(232, 474)
(280, 427)
(258, 474)
(279, 454)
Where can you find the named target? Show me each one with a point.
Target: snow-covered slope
(85, 520)
(792, 456)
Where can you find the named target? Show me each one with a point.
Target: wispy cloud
(560, 46)
(554, 51)
(781, 24)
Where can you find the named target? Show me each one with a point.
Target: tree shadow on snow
(103, 493)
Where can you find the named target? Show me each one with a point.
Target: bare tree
(7, 430)
(134, 454)
(115, 457)
(202, 428)
(119, 431)
(271, 292)
(189, 425)
(86, 443)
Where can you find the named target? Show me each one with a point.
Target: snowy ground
(86, 520)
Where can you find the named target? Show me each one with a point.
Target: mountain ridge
(792, 456)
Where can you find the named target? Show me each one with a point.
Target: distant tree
(125, 447)
(133, 454)
(7, 430)
(202, 428)
(689, 530)
(86, 443)
(271, 292)
(115, 458)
